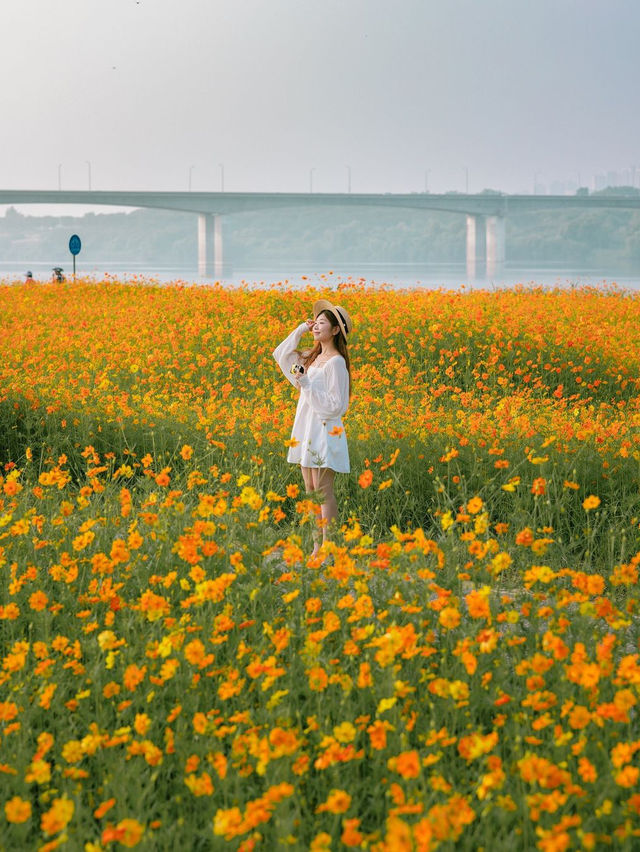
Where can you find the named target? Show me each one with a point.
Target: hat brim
(325, 305)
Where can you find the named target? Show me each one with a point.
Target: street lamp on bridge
(59, 176)
(88, 162)
(311, 171)
(191, 168)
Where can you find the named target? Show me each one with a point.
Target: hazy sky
(148, 94)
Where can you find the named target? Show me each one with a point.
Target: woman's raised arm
(286, 354)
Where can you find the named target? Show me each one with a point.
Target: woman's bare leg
(323, 482)
(310, 486)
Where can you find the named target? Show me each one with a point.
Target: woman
(319, 443)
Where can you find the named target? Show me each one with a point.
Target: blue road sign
(75, 244)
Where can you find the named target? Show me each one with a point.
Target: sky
(293, 95)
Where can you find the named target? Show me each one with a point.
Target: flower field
(460, 669)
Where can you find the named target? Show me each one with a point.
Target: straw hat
(344, 320)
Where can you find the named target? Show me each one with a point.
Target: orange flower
(478, 603)
(590, 502)
(102, 809)
(9, 612)
(365, 479)
(38, 601)
(153, 605)
(200, 785)
(17, 810)
(133, 676)
(350, 835)
(449, 617)
(525, 537)
(142, 723)
(338, 802)
(628, 777)
(8, 711)
(128, 832)
(474, 505)
(186, 452)
(587, 770)
(406, 764)
(58, 816)
(163, 479)
(539, 487)
(318, 679)
(579, 717)
(378, 734)
(364, 676)
(199, 723)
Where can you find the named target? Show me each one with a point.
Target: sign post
(75, 245)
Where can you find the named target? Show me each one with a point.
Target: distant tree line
(598, 239)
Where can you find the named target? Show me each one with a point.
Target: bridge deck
(488, 204)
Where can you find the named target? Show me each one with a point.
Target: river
(431, 276)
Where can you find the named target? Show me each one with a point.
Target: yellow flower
(72, 751)
(321, 843)
(39, 771)
(385, 704)
(446, 521)
(345, 733)
(500, 562)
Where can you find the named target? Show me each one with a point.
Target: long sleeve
(286, 355)
(330, 402)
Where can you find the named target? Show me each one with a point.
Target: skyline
(294, 97)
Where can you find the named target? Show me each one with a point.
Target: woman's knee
(325, 482)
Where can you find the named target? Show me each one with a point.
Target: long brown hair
(341, 345)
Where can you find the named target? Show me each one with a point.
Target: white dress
(324, 398)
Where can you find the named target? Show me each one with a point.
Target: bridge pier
(210, 244)
(495, 242)
(485, 245)
(476, 246)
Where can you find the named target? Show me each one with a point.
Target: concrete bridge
(485, 213)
